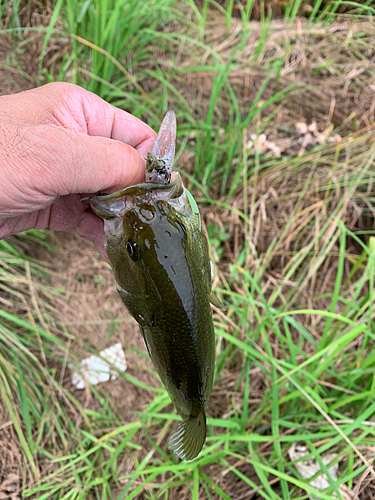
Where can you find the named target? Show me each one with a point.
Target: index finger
(105, 120)
(72, 107)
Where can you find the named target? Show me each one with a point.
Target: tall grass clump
(31, 396)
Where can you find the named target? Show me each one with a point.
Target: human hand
(59, 143)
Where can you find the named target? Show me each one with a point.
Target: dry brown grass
(330, 66)
(12, 79)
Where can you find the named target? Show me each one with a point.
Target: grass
(295, 358)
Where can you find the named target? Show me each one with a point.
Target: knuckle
(62, 87)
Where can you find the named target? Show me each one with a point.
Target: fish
(159, 255)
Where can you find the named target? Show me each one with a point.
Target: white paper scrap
(308, 468)
(95, 370)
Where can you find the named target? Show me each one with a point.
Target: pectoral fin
(145, 340)
(123, 293)
(215, 301)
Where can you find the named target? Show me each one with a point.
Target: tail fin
(189, 437)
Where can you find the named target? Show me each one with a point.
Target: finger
(64, 162)
(107, 121)
(66, 213)
(91, 228)
(17, 224)
(96, 117)
(72, 107)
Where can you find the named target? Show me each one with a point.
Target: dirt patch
(11, 463)
(78, 300)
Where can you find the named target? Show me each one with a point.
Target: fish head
(154, 230)
(151, 235)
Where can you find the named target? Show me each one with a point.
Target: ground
(331, 105)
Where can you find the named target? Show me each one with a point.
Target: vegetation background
(275, 106)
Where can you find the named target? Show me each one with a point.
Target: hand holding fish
(58, 143)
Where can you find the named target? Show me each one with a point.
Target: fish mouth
(162, 182)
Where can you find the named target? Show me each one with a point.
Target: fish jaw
(159, 176)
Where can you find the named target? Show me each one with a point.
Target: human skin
(58, 144)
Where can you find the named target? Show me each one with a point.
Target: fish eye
(132, 249)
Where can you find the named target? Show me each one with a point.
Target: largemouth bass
(159, 256)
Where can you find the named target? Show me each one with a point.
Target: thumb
(78, 163)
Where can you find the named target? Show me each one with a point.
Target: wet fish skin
(166, 288)
(159, 255)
